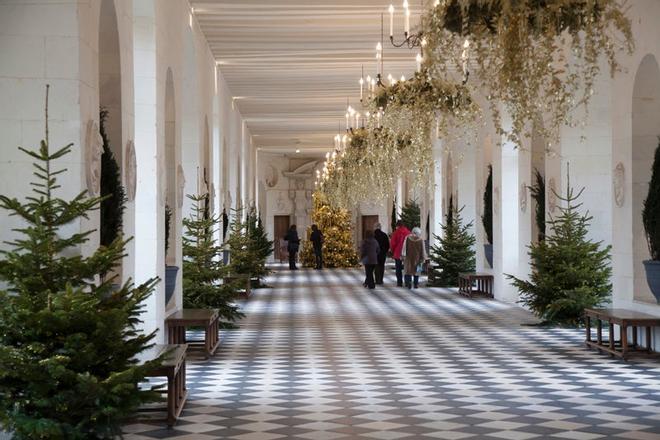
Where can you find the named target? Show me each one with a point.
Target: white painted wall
(57, 43)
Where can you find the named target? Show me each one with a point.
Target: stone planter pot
(170, 282)
(488, 252)
(652, 268)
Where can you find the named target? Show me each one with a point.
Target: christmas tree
(203, 271)
(67, 344)
(410, 215)
(335, 224)
(487, 217)
(393, 217)
(538, 194)
(260, 246)
(569, 271)
(248, 244)
(454, 251)
(112, 191)
(651, 210)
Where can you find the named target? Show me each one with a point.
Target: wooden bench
(625, 319)
(173, 368)
(178, 322)
(471, 284)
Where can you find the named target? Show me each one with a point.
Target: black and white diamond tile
(320, 358)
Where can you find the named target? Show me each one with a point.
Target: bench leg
(587, 326)
(171, 399)
(611, 330)
(624, 339)
(649, 346)
(634, 336)
(599, 332)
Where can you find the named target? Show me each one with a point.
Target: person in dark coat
(293, 246)
(384, 246)
(317, 241)
(369, 258)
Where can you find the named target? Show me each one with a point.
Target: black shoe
(416, 286)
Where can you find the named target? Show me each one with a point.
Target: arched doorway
(645, 131)
(110, 124)
(537, 187)
(171, 201)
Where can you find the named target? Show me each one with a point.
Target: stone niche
(288, 184)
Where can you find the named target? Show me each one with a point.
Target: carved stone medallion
(523, 197)
(130, 171)
(93, 152)
(619, 180)
(180, 185)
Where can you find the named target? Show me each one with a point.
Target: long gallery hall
(338, 219)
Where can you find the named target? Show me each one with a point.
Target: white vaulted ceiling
(291, 64)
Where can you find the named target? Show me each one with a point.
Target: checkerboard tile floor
(318, 357)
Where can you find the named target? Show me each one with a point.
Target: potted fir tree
(411, 215)
(453, 253)
(651, 220)
(487, 217)
(170, 271)
(68, 345)
(113, 193)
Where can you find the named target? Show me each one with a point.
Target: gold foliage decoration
(536, 60)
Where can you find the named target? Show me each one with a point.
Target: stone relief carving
(619, 185)
(93, 152)
(180, 185)
(300, 184)
(130, 171)
(552, 194)
(523, 197)
(282, 205)
(272, 176)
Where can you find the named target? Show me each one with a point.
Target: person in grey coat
(369, 258)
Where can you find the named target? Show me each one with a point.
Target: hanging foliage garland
(398, 139)
(411, 110)
(538, 58)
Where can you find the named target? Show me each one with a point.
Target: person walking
(396, 244)
(369, 258)
(414, 256)
(293, 244)
(384, 246)
(316, 238)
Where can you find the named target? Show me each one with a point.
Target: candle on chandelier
(418, 58)
(361, 88)
(406, 13)
(347, 120)
(403, 78)
(391, 21)
(379, 57)
(357, 120)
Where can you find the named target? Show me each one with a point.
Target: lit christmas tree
(335, 224)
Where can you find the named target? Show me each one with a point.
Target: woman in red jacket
(396, 244)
